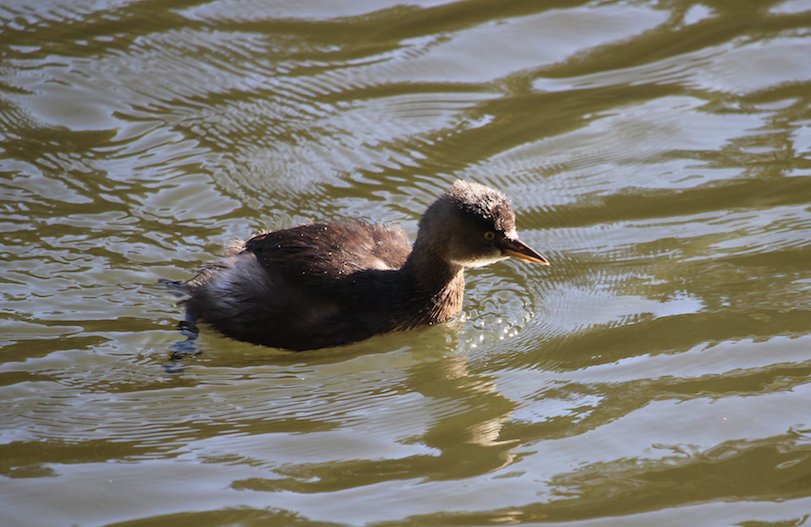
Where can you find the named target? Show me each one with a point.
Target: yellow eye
(489, 236)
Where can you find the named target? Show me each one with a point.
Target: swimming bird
(329, 284)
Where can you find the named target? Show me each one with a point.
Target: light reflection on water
(656, 373)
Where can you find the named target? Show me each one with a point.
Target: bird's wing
(312, 252)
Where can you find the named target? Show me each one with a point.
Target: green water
(658, 153)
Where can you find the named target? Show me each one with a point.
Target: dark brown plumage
(329, 284)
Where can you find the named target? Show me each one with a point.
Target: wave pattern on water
(658, 154)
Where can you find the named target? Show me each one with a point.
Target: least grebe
(328, 284)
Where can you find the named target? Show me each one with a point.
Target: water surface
(657, 373)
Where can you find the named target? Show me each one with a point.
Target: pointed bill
(518, 249)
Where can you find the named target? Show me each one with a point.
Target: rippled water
(659, 153)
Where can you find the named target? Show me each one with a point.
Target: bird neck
(438, 286)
